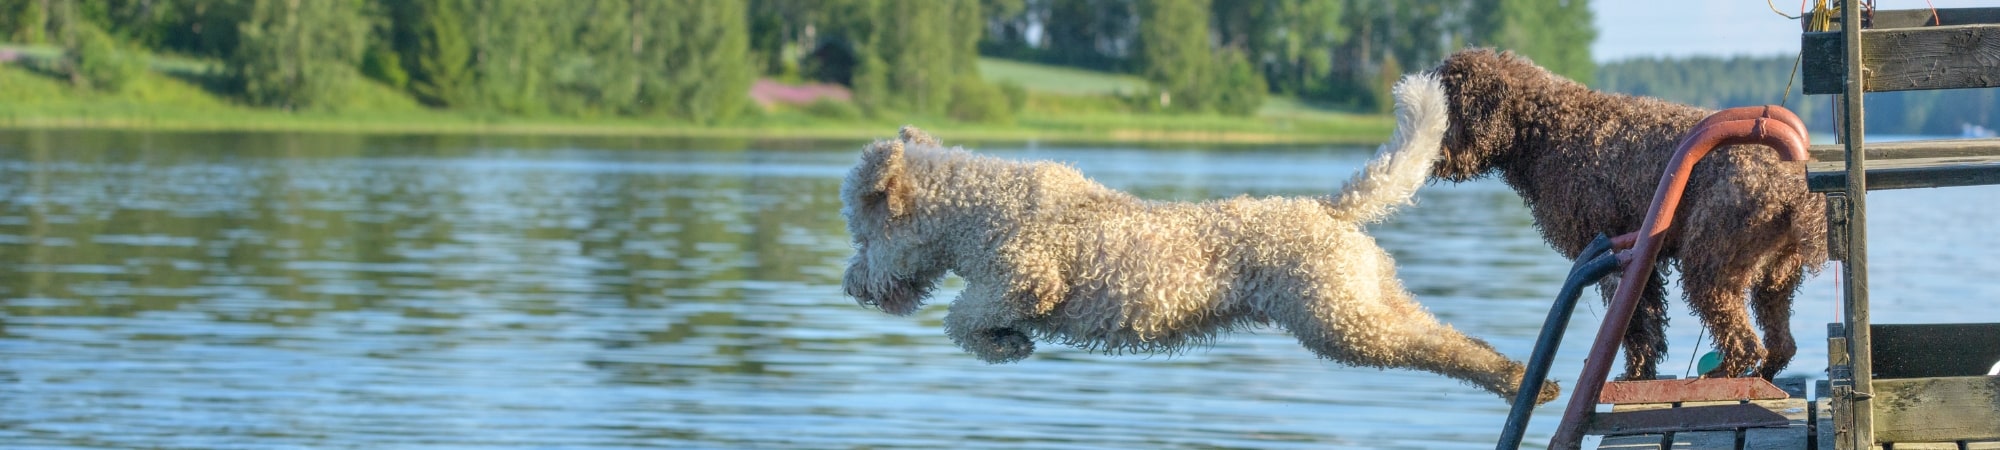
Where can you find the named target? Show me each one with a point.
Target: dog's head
(1482, 90)
(894, 266)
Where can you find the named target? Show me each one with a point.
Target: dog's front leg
(1034, 282)
(981, 322)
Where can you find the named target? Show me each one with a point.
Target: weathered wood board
(1831, 176)
(1905, 59)
(1939, 409)
(1910, 18)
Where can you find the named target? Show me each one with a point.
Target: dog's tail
(1402, 165)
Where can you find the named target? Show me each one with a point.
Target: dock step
(1910, 164)
(1689, 390)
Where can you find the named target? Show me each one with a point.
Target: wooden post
(1859, 409)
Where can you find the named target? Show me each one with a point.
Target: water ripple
(268, 291)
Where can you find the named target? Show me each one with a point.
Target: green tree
(430, 38)
(599, 70)
(383, 64)
(513, 43)
(701, 53)
(1173, 50)
(1555, 33)
(1175, 54)
(24, 20)
(96, 61)
(1290, 43)
(298, 54)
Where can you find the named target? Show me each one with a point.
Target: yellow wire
(1822, 19)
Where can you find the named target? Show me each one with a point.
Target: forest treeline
(694, 59)
(1716, 82)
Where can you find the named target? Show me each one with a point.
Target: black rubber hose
(1595, 262)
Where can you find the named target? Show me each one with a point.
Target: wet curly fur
(1048, 254)
(1587, 162)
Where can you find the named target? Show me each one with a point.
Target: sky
(1633, 28)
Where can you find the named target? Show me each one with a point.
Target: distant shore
(159, 100)
(1361, 132)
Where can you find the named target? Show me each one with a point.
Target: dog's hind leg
(1716, 287)
(1645, 340)
(1392, 331)
(1773, 300)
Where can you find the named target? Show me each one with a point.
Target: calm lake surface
(191, 290)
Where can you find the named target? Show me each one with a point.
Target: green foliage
(692, 61)
(24, 21)
(95, 61)
(298, 54)
(1294, 40)
(833, 109)
(701, 49)
(1555, 33)
(1017, 96)
(1174, 52)
(382, 64)
(1236, 88)
(438, 58)
(978, 101)
(911, 62)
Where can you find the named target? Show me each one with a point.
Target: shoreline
(344, 123)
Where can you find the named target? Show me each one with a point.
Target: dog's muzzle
(894, 295)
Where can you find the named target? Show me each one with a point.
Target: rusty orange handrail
(1772, 126)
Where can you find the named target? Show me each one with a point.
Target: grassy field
(1064, 104)
(1059, 80)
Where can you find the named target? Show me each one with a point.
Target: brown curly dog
(1586, 162)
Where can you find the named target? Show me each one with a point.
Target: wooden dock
(1797, 434)
(1810, 427)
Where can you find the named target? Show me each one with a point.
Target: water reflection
(262, 290)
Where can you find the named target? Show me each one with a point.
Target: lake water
(193, 290)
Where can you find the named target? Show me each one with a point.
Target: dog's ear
(1479, 129)
(887, 177)
(914, 136)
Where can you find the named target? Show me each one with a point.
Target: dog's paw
(1550, 390)
(1002, 345)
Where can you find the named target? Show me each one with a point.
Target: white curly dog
(1046, 253)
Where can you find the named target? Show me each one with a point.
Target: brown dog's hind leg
(1716, 290)
(1645, 340)
(1773, 299)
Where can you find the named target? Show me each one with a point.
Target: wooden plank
(1689, 390)
(1696, 418)
(1937, 409)
(1831, 176)
(1909, 18)
(1792, 436)
(1912, 149)
(1906, 59)
(1823, 424)
(1935, 350)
